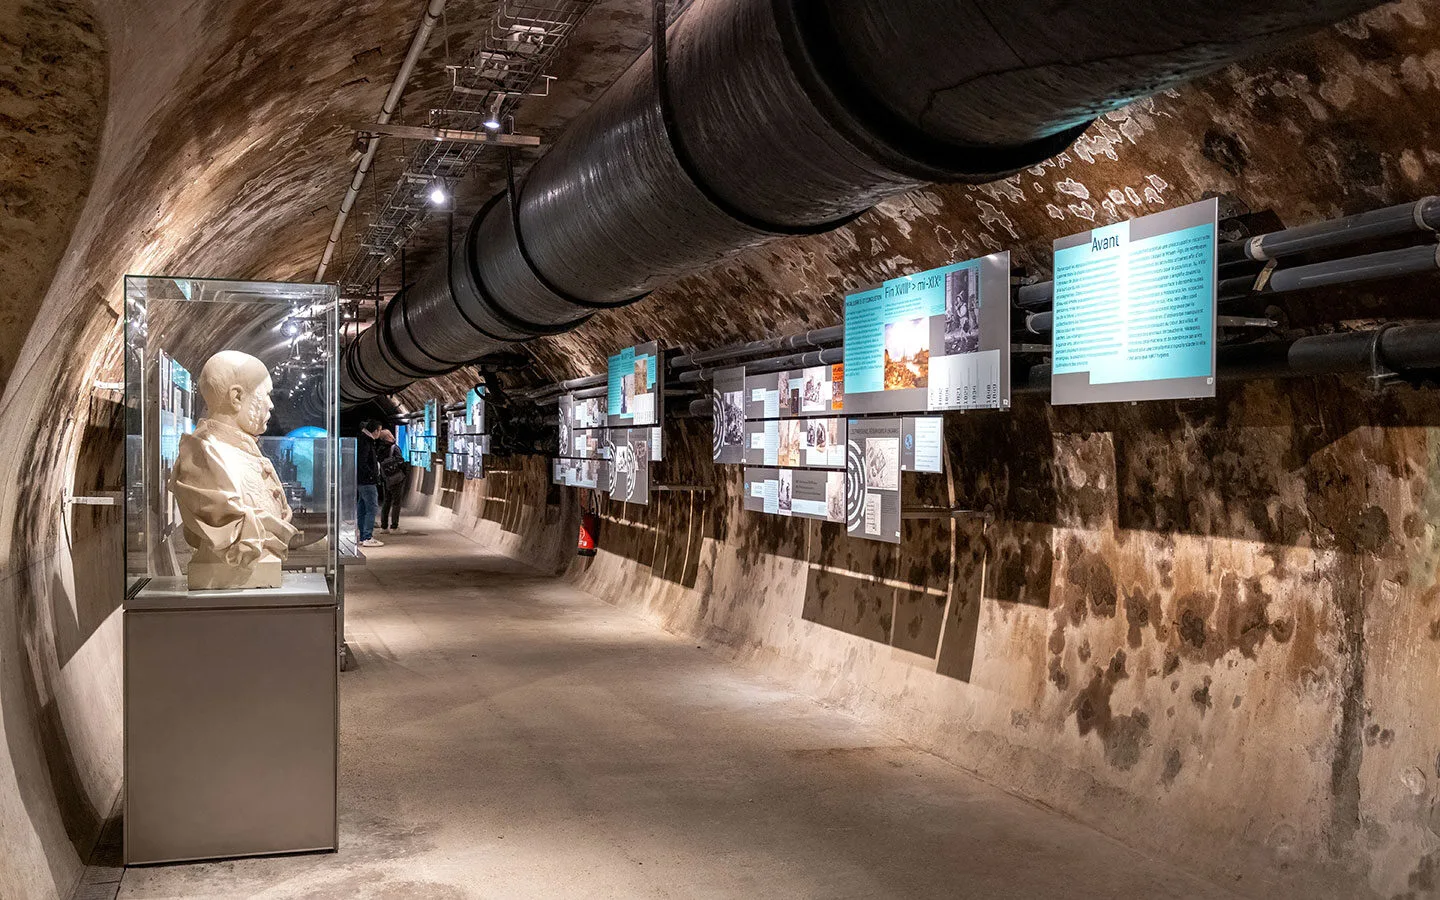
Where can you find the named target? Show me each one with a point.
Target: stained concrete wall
(1208, 628)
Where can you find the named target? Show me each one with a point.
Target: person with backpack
(395, 472)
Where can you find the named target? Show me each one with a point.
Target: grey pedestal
(231, 719)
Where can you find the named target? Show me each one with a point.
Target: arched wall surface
(1208, 628)
(222, 154)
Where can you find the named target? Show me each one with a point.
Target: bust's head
(236, 387)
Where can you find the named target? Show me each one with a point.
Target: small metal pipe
(1405, 218)
(759, 367)
(1369, 267)
(817, 338)
(387, 109)
(561, 387)
(946, 512)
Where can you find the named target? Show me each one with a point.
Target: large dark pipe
(761, 119)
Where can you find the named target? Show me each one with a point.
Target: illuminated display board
(933, 341)
(475, 411)
(1135, 309)
(636, 386)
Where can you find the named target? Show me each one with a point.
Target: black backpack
(393, 464)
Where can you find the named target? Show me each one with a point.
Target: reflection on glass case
(232, 404)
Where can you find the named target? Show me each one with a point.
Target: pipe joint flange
(660, 71)
(1381, 375)
(396, 359)
(853, 109)
(1421, 206)
(507, 318)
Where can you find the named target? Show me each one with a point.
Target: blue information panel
(1135, 309)
(635, 386)
(933, 341)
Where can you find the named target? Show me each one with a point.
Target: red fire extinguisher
(589, 531)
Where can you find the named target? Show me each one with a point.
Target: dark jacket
(367, 465)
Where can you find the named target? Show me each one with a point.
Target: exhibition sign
(813, 391)
(636, 386)
(933, 341)
(1135, 309)
(922, 444)
(872, 479)
(592, 455)
(475, 411)
(796, 443)
(727, 416)
(630, 465)
(795, 492)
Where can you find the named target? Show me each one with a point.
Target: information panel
(814, 391)
(922, 444)
(728, 416)
(636, 385)
(796, 443)
(630, 465)
(796, 492)
(1135, 309)
(872, 479)
(933, 341)
(581, 473)
(475, 411)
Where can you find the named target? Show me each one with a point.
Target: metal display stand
(231, 720)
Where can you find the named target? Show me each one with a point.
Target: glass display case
(253, 483)
(349, 526)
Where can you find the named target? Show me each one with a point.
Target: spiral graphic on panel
(625, 465)
(854, 487)
(717, 424)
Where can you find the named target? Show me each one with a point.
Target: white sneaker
(372, 543)
(395, 531)
(383, 530)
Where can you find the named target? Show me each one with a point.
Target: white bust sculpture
(231, 501)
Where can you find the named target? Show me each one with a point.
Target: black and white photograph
(962, 311)
(818, 435)
(835, 496)
(787, 492)
(731, 416)
(882, 464)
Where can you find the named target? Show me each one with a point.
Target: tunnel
(719, 448)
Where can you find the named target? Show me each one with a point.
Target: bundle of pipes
(759, 119)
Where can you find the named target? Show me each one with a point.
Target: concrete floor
(506, 735)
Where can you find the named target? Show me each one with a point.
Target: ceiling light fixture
(438, 195)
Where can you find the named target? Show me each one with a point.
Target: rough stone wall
(52, 108)
(1208, 628)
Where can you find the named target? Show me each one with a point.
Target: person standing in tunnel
(395, 472)
(367, 483)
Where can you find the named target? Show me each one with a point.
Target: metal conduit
(768, 118)
(817, 338)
